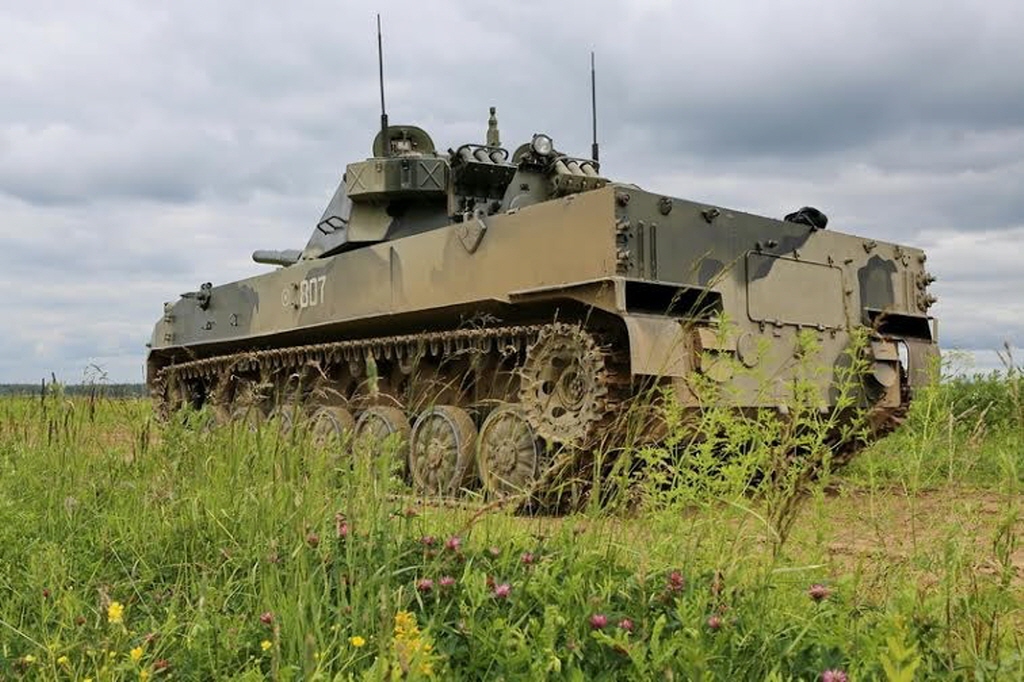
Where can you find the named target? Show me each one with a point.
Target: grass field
(131, 549)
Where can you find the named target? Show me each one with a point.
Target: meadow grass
(132, 549)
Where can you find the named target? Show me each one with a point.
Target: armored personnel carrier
(487, 305)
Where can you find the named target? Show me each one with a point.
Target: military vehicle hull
(488, 340)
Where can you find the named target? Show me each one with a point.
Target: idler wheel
(441, 454)
(508, 451)
(378, 422)
(564, 384)
(331, 422)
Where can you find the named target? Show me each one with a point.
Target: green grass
(239, 555)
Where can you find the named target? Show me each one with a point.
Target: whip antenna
(383, 111)
(593, 107)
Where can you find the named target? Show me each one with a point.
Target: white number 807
(311, 291)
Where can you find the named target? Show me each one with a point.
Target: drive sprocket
(564, 384)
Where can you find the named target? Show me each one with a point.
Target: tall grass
(131, 550)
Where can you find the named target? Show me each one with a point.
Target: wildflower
(136, 654)
(446, 581)
(495, 551)
(79, 620)
(143, 675)
(453, 543)
(357, 641)
(818, 592)
(626, 624)
(502, 591)
(63, 660)
(313, 540)
(714, 623)
(404, 622)
(412, 647)
(46, 593)
(428, 540)
(161, 664)
(29, 658)
(411, 513)
(425, 585)
(490, 582)
(115, 612)
(598, 621)
(676, 582)
(833, 675)
(527, 558)
(267, 617)
(265, 645)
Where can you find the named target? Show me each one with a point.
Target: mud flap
(658, 346)
(923, 359)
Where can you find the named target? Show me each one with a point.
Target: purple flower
(527, 558)
(425, 585)
(446, 581)
(714, 623)
(626, 624)
(598, 621)
(676, 581)
(266, 617)
(818, 592)
(313, 540)
(340, 526)
(502, 591)
(428, 540)
(834, 676)
(453, 543)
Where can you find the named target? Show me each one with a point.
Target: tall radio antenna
(593, 107)
(383, 110)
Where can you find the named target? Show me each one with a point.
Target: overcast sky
(145, 149)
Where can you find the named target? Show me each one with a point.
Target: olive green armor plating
(487, 305)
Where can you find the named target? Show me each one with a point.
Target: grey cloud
(146, 149)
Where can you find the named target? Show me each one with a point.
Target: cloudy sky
(144, 150)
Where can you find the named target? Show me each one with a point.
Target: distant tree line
(104, 390)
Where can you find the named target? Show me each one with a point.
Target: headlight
(542, 144)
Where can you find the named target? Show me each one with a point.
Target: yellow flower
(115, 612)
(136, 654)
(29, 658)
(265, 645)
(143, 675)
(63, 660)
(357, 641)
(405, 623)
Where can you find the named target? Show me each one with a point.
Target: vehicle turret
(407, 187)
